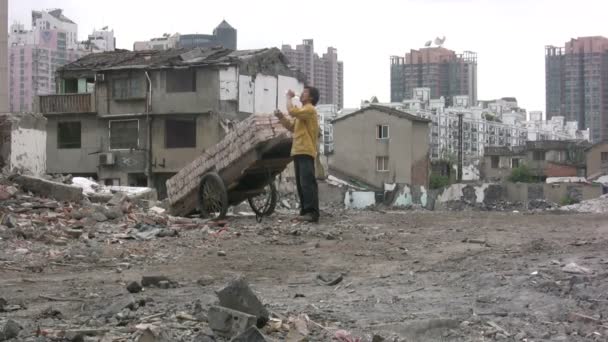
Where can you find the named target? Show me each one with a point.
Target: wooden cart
(251, 177)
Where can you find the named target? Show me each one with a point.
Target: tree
(521, 174)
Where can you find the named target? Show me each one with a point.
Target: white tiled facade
(492, 126)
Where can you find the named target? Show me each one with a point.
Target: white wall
(265, 94)
(265, 101)
(28, 150)
(229, 84)
(246, 94)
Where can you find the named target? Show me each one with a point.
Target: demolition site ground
(399, 275)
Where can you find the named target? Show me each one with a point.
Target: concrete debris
(228, 323)
(250, 335)
(68, 276)
(596, 205)
(49, 189)
(573, 268)
(329, 280)
(134, 287)
(10, 330)
(345, 336)
(378, 338)
(237, 295)
(153, 280)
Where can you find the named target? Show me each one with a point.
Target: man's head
(310, 95)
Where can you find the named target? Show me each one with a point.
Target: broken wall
(23, 140)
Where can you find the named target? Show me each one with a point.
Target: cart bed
(246, 159)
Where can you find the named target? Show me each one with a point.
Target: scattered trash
(329, 280)
(345, 336)
(576, 269)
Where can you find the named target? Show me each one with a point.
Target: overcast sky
(508, 35)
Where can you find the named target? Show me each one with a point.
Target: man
(304, 124)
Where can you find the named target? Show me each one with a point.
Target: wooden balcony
(66, 103)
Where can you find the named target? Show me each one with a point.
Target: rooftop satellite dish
(427, 44)
(439, 41)
(104, 28)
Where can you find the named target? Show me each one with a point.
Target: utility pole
(460, 145)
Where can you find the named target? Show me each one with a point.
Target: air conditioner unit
(100, 78)
(106, 159)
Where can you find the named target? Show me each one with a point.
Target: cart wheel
(213, 196)
(264, 203)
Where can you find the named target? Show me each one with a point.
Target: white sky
(508, 35)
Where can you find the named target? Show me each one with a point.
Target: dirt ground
(407, 276)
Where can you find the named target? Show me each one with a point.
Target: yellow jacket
(305, 128)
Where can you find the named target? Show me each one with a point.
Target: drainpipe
(148, 135)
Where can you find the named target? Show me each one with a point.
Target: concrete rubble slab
(227, 323)
(46, 188)
(237, 295)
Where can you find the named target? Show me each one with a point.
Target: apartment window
(124, 134)
(515, 162)
(127, 88)
(181, 81)
(382, 132)
(495, 161)
(538, 155)
(180, 133)
(382, 164)
(68, 134)
(604, 156)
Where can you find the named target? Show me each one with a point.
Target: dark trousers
(308, 190)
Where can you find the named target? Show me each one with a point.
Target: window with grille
(127, 88)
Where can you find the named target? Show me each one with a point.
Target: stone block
(45, 188)
(227, 323)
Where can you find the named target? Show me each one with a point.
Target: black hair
(314, 95)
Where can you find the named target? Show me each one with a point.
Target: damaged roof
(158, 59)
(541, 145)
(386, 110)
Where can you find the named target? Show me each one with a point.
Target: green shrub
(438, 181)
(567, 200)
(521, 174)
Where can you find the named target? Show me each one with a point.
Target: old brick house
(554, 158)
(378, 145)
(136, 118)
(597, 160)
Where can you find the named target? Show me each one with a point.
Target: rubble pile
(60, 213)
(596, 205)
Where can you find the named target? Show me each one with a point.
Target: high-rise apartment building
(4, 106)
(35, 54)
(224, 35)
(576, 81)
(325, 73)
(445, 72)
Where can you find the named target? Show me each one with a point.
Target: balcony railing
(66, 103)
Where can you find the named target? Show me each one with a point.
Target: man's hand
(290, 94)
(279, 114)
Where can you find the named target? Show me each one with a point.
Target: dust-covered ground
(407, 276)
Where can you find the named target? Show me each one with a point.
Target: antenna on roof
(428, 43)
(439, 41)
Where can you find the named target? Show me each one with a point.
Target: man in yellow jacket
(304, 124)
